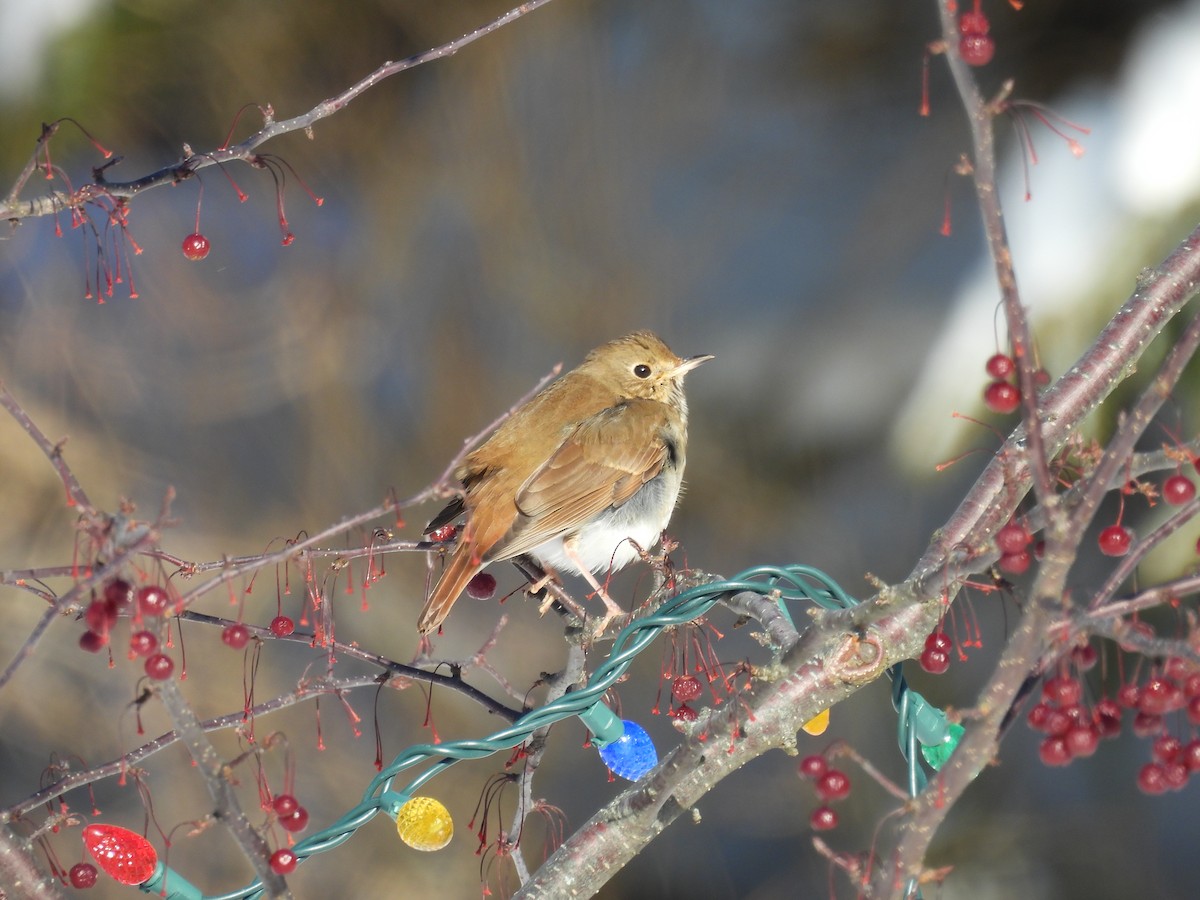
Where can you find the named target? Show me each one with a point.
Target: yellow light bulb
(424, 824)
(818, 723)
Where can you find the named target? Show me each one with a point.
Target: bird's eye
(641, 370)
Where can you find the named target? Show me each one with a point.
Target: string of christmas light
(425, 824)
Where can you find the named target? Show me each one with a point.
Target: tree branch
(14, 210)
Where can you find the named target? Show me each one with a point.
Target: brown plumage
(589, 465)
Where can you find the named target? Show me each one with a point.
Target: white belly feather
(608, 541)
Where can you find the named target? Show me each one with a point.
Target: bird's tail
(463, 566)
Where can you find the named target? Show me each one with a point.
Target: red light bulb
(125, 855)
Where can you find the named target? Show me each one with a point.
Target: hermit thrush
(581, 478)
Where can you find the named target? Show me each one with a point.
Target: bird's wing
(602, 463)
(454, 509)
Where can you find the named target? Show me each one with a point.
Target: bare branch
(15, 210)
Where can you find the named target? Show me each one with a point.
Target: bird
(582, 478)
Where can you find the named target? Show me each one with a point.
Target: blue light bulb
(631, 755)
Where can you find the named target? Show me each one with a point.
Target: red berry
(1107, 717)
(1013, 538)
(1054, 751)
(1000, 366)
(282, 626)
(976, 49)
(1002, 397)
(685, 713)
(1178, 490)
(283, 861)
(1177, 668)
(236, 636)
(1193, 710)
(118, 593)
(974, 23)
(1152, 779)
(297, 821)
(1015, 563)
(1058, 722)
(686, 687)
(1077, 714)
(482, 586)
(1190, 756)
(285, 805)
(1084, 656)
(82, 875)
(1115, 540)
(823, 819)
(1039, 716)
(812, 766)
(1147, 724)
(159, 666)
(92, 641)
(142, 643)
(1160, 695)
(938, 640)
(444, 533)
(1082, 740)
(833, 785)
(1191, 685)
(1062, 689)
(100, 615)
(196, 246)
(153, 600)
(1176, 774)
(1166, 749)
(935, 662)
(1128, 695)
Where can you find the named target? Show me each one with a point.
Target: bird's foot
(614, 612)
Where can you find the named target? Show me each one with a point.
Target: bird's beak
(688, 364)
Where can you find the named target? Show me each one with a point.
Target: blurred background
(750, 180)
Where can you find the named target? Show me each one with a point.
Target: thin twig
(211, 766)
(14, 210)
(53, 452)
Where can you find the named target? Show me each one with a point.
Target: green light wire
(919, 720)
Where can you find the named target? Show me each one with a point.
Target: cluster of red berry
(1013, 540)
(152, 602)
(237, 635)
(935, 658)
(102, 614)
(685, 689)
(830, 785)
(1073, 730)
(1177, 489)
(292, 817)
(1001, 395)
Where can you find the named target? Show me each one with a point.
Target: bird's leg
(615, 611)
(548, 575)
(543, 578)
(539, 586)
